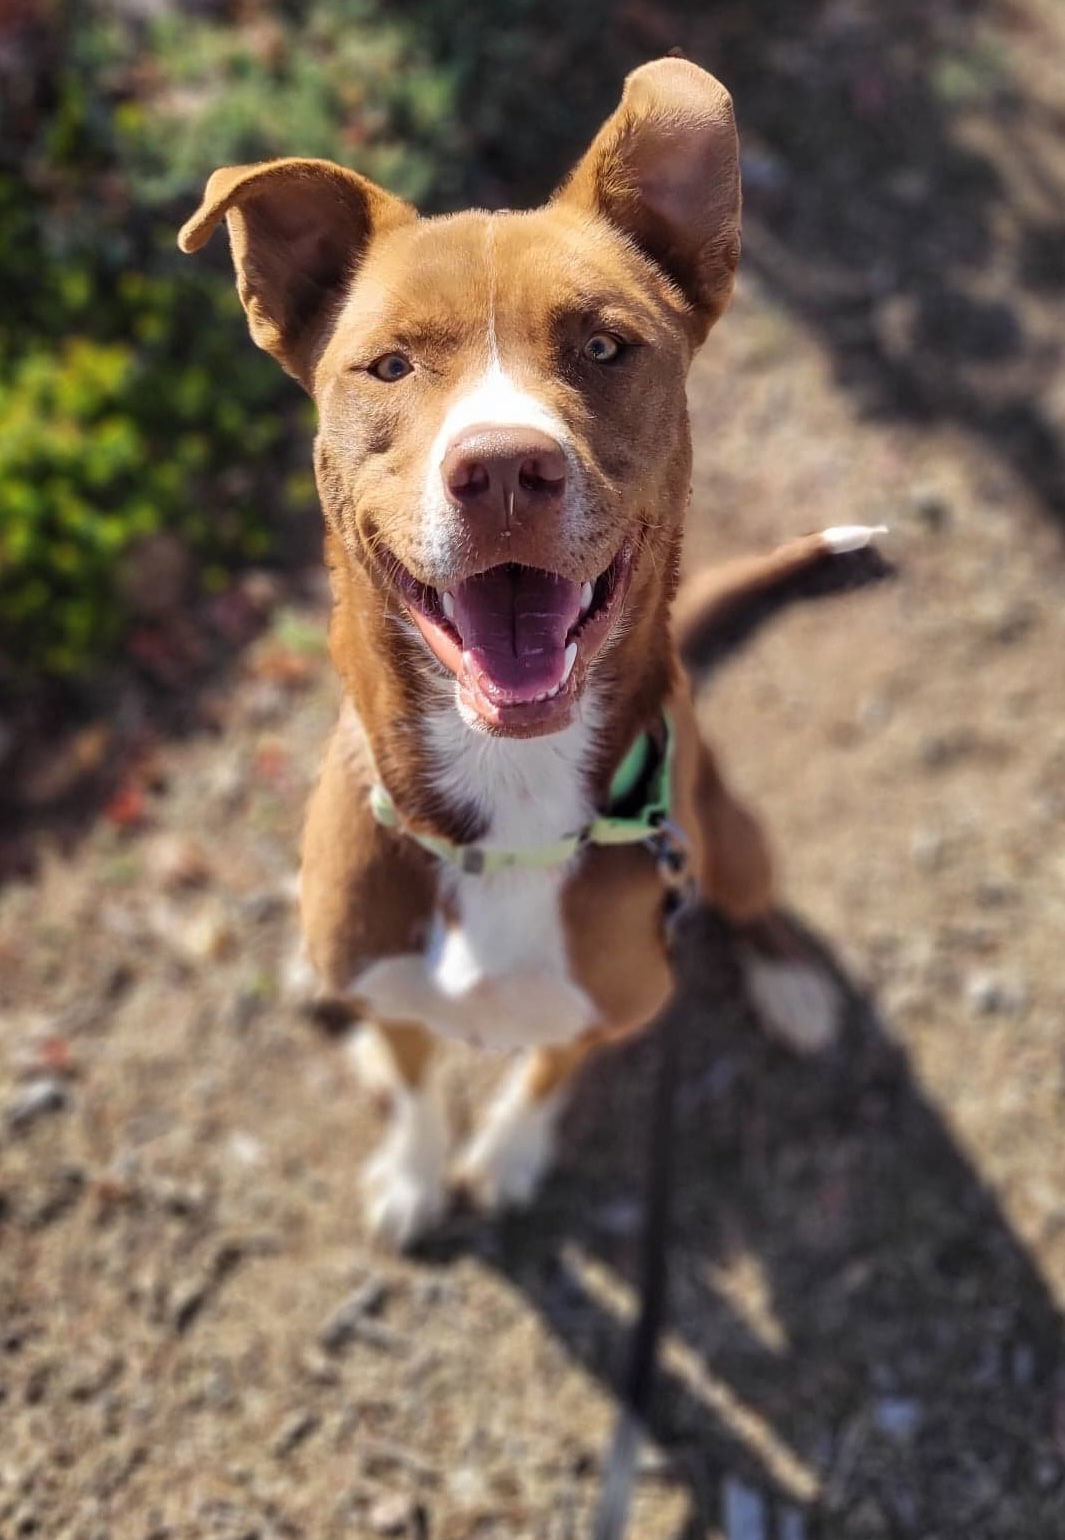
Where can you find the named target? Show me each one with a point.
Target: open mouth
(519, 640)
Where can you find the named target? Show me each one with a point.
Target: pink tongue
(514, 622)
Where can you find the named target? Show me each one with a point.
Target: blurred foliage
(130, 398)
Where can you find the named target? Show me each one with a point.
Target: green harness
(645, 826)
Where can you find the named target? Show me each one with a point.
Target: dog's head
(503, 444)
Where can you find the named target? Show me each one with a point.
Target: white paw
(371, 1059)
(507, 1159)
(799, 1003)
(404, 1189)
(401, 1206)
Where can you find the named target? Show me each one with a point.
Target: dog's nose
(505, 474)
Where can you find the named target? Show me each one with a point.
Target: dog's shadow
(859, 1344)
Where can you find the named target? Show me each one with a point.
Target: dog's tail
(719, 610)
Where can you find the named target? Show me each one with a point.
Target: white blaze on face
(495, 400)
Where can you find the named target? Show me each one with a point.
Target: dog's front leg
(404, 1182)
(510, 1153)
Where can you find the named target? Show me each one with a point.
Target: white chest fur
(496, 972)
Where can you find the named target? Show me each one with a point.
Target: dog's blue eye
(603, 348)
(391, 367)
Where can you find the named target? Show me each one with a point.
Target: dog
(503, 459)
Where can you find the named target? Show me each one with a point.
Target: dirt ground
(196, 1338)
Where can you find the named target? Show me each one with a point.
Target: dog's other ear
(297, 230)
(664, 169)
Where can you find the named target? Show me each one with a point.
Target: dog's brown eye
(603, 348)
(391, 367)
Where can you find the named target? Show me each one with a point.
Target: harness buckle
(670, 847)
(471, 860)
(672, 852)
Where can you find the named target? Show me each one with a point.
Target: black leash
(616, 1493)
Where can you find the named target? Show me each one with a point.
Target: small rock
(175, 861)
(345, 1322)
(867, 1521)
(243, 1008)
(44, 1053)
(996, 892)
(26, 1520)
(1047, 1474)
(1006, 621)
(296, 1430)
(994, 994)
(653, 1463)
(621, 1216)
(206, 936)
(874, 712)
(245, 1148)
(430, 1293)
(265, 702)
(467, 1486)
(930, 508)
(927, 848)
(33, 1101)
(938, 750)
(264, 906)
(182, 1199)
(897, 1416)
(1022, 1365)
(229, 783)
(61, 1191)
(743, 1511)
(393, 1516)
(319, 1368)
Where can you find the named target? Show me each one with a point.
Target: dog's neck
(448, 778)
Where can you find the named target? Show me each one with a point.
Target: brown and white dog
(503, 459)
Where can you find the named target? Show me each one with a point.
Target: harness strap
(607, 829)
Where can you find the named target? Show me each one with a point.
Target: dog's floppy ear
(664, 169)
(297, 229)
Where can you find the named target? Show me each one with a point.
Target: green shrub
(102, 443)
(130, 397)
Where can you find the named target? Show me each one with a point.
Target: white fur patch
(851, 537)
(507, 1159)
(404, 1183)
(495, 400)
(799, 1003)
(499, 975)
(498, 402)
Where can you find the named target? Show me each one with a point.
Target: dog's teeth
(586, 597)
(571, 658)
(447, 600)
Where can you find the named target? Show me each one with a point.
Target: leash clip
(669, 845)
(672, 852)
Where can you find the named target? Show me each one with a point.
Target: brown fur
(641, 242)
